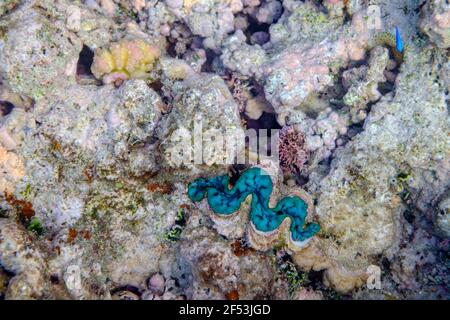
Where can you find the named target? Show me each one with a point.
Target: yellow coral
(124, 60)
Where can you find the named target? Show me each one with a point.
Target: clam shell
(264, 241)
(232, 225)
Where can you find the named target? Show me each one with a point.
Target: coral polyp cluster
(127, 59)
(255, 182)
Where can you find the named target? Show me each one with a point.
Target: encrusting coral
(20, 256)
(11, 170)
(8, 5)
(435, 22)
(123, 60)
(364, 91)
(255, 182)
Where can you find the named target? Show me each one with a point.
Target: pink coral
(292, 150)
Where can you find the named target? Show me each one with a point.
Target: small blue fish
(398, 40)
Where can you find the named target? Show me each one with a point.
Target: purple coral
(292, 150)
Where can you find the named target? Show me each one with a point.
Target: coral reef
(239, 56)
(443, 217)
(118, 117)
(201, 102)
(295, 71)
(435, 22)
(8, 5)
(18, 255)
(363, 91)
(322, 133)
(12, 170)
(212, 19)
(40, 43)
(360, 191)
(216, 270)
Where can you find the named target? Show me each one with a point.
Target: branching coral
(124, 60)
(365, 90)
(255, 182)
(293, 154)
(240, 89)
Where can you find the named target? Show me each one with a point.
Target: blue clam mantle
(256, 182)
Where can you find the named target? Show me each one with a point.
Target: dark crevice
(164, 94)
(315, 279)
(420, 6)
(171, 49)
(85, 62)
(180, 40)
(385, 88)
(235, 172)
(84, 74)
(5, 278)
(355, 129)
(326, 162)
(208, 66)
(129, 288)
(255, 26)
(5, 108)
(301, 179)
(266, 121)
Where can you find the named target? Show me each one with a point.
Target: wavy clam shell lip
(232, 225)
(297, 245)
(261, 240)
